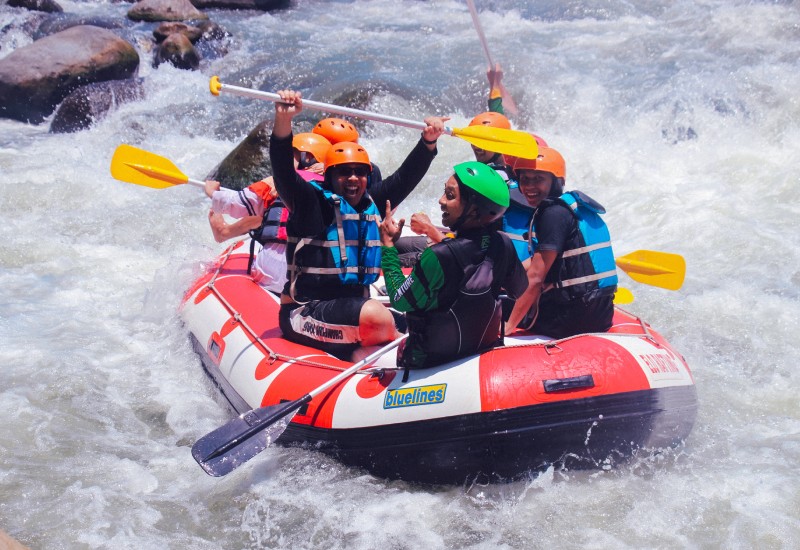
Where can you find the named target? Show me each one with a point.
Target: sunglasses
(349, 171)
(307, 159)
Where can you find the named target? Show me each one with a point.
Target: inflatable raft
(581, 402)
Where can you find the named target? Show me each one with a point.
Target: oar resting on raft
(498, 140)
(231, 445)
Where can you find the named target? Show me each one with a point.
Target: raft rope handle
(273, 355)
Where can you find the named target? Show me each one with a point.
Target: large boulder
(49, 6)
(263, 5)
(35, 78)
(247, 163)
(178, 51)
(165, 10)
(63, 21)
(90, 103)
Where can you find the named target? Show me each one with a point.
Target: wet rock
(88, 104)
(175, 27)
(64, 21)
(49, 6)
(263, 5)
(247, 163)
(178, 51)
(35, 78)
(212, 31)
(214, 40)
(165, 10)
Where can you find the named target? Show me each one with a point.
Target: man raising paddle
(333, 250)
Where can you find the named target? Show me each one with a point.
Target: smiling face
(350, 181)
(450, 203)
(535, 185)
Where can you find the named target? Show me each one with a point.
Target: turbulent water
(681, 117)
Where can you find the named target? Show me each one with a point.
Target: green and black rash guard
(439, 330)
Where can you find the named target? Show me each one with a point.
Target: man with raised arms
(333, 249)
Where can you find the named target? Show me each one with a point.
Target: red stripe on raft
(508, 380)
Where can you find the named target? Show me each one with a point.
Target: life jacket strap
(586, 279)
(339, 229)
(585, 249)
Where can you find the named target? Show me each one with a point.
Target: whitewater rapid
(681, 117)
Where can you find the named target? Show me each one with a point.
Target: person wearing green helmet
(451, 297)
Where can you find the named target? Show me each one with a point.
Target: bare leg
(376, 324)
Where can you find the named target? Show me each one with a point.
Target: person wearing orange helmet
(333, 252)
(494, 117)
(336, 130)
(572, 276)
(260, 212)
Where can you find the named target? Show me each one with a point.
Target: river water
(681, 117)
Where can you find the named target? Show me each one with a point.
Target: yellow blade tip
(214, 85)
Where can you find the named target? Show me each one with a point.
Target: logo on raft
(410, 397)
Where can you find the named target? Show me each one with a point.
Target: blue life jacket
(516, 221)
(586, 267)
(348, 252)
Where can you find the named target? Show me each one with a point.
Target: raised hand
(390, 229)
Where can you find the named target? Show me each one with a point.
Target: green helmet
(489, 190)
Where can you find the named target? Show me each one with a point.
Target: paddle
(660, 269)
(498, 140)
(141, 167)
(623, 296)
(508, 102)
(229, 446)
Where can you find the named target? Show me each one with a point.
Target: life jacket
(472, 322)
(517, 217)
(348, 252)
(516, 221)
(585, 268)
(273, 223)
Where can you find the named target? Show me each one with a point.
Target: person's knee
(376, 323)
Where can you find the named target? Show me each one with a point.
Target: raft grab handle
(563, 384)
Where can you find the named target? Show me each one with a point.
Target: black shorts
(329, 325)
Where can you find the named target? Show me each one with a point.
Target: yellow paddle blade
(141, 167)
(623, 296)
(660, 269)
(500, 140)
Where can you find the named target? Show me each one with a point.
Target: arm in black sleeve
(553, 227)
(292, 189)
(400, 184)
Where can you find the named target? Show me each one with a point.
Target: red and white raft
(581, 402)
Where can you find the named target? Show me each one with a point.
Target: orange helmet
(510, 160)
(549, 160)
(346, 152)
(312, 143)
(490, 118)
(336, 130)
